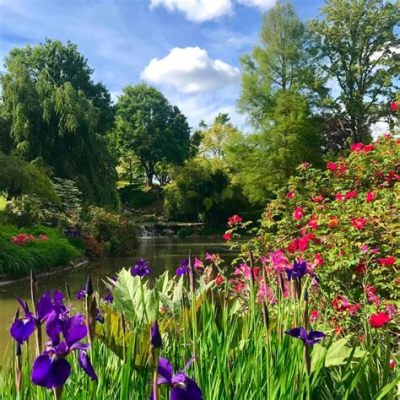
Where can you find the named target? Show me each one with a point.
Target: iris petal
(165, 369)
(86, 365)
(45, 306)
(22, 329)
(187, 391)
(74, 329)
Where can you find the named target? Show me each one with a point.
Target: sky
(188, 49)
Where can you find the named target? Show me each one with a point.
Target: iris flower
(51, 369)
(183, 269)
(309, 339)
(23, 328)
(183, 388)
(141, 268)
(297, 271)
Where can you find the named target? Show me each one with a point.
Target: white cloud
(262, 4)
(197, 10)
(190, 70)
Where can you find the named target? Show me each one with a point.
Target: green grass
(39, 256)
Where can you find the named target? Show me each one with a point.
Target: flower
(183, 269)
(356, 147)
(392, 363)
(108, 297)
(359, 223)
(183, 387)
(141, 268)
(368, 148)
(51, 369)
(198, 263)
(387, 261)
(155, 337)
(314, 315)
(351, 195)
(290, 195)
(81, 294)
(234, 220)
(309, 339)
(219, 279)
(297, 271)
(333, 221)
(340, 197)
(227, 236)
(298, 213)
(332, 166)
(379, 319)
(318, 199)
(340, 303)
(279, 260)
(23, 328)
(394, 106)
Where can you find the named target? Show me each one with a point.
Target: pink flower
(359, 223)
(219, 279)
(198, 263)
(394, 106)
(234, 220)
(340, 303)
(332, 166)
(392, 363)
(318, 199)
(379, 319)
(364, 248)
(353, 309)
(313, 223)
(279, 260)
(370, 291)
(369, 197)
(357, 147)
(227, 236)
(314, 315)
(290, 195)
(298, 213)
(340, 197)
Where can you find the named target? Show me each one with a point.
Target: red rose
(394, 106)
(378, 320)
(227, 236)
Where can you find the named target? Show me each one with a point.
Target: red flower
(298, 213)
(234, 220)
(369, 197)
(340, 303)
(290, 195)
(219, 279)
(318, 199)
(333, 221)
(227, 236)
(387, 261)
(314, 315)
(394, 106)
(332, 166)
(319, 261)
(392, 363)
(359, 223)
(357, 147)
(340, 197)
(351, 195)
(361, 269)
(313, 223)
(353, 309)
(369, 147)
(378, 320)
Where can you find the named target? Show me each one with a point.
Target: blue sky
(189, 49)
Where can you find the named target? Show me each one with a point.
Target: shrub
(36, 255)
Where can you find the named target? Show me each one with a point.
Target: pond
(162, 253)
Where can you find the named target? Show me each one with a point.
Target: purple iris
(108, 297)
(51, 369)
(23, 328)
(308, 339)
(156, 340)
(81, 294)
(141, 268)
(298, 270)
(183, 388)
(99, 316)
(183, 269)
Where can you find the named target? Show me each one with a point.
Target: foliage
(282, 62)
(202, 191)
(18, 177)
(151, 129)
(265, 161)
(136, 197)
(356, 42)
(116, 235)
(37, 255)
(58, 114)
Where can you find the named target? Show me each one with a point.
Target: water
(163, 254)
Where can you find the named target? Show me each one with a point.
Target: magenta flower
(51, 369)
(141, 268)
(309, 339)
(183, 387)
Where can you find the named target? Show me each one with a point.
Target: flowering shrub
(344, 222)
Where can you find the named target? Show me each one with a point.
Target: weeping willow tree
(60, 116)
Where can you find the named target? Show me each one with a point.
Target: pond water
(162, 253)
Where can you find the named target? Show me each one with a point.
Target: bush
(134, 196)
(17, 260)
(114, 232)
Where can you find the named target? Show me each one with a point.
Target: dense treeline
(56, 122)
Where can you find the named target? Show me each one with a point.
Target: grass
(39, 256)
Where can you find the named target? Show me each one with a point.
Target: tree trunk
(149, 179)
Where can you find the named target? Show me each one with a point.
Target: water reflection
(163, 254)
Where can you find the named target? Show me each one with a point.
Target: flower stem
(58, 392)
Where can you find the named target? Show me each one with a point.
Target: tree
(265, 161)
(152, 129)
(358, 47)
(216, 138)
(281, 62)
(59, 115)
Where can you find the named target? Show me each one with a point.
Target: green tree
(358, 48)
(58, 114)
(151, 129)
(265, 161)
(281, 62)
